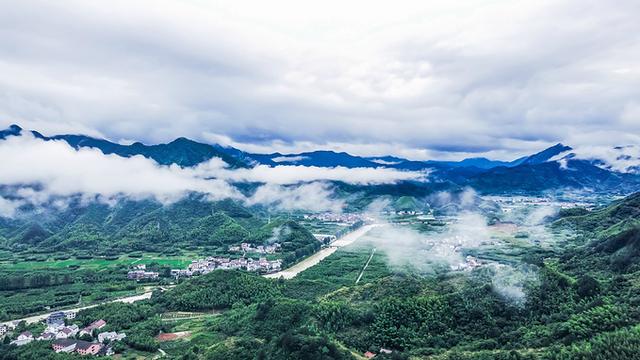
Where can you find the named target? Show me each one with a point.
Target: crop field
(179, 262)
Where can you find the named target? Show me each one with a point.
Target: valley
(325, 180)
(410, 269)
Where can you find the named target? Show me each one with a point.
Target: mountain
(619, 216)
(483, 163)
(625, 159)
(181, 151)
(556, 167)
(322, 158)
(144, 225)
(610, 235)
(10, 131)
(577, 174)
(546, 155)
(332, 159)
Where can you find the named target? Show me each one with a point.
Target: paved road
(128, 299)
(317, 257)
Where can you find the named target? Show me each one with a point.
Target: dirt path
(322, 254)
(373, 251)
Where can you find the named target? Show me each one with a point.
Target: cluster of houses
(66, 338)
(469, 264)
(333, 217)
(511, 203)
(205, 266)
(139, 272)
(80, 346)
(260, 249)
(325, 238)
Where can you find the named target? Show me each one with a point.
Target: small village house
(96, 325)
(56, 319)
(110, 336)
(87, 348)
(23, 339)
(64, 345)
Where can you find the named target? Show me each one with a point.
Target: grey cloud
(441, 77)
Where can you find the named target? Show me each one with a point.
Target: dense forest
(100, 229)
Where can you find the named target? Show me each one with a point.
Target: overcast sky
(421, 79)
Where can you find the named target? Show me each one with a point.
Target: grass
(338, 270)
(178, 262)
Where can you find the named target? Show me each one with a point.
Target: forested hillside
(583, 304)
(105, 229)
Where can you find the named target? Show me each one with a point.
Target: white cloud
(45, 170)
(311, 197)
(385, 162)
(621, 158)
(8, 207)
(279, 159)
(417, 77)
(64, 171)
(293, 174)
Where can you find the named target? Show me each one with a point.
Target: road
(128, 300)
(314, 259)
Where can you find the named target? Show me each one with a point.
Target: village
(66, 337)
(206, 265)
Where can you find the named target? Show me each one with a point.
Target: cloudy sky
(420, 79)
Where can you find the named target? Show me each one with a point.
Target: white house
(67, 332)
(111, 336)
(23, 339)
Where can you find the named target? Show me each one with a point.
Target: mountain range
(552, 168)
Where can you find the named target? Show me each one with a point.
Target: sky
(418, 79)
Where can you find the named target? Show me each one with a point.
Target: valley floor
(323, 253)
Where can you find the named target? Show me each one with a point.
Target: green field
(178, 262)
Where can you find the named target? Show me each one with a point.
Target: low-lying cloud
(39, 170)
(58, 169)
(446, 249)
(313, 197)
(293, 174)
(624, 159)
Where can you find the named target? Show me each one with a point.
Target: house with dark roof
(64, 345)
(98, 324)
(46, 336)
(87, 348)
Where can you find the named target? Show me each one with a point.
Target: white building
(23, 339)
(67, 332)
(111, 336)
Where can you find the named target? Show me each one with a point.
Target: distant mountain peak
(15, 128)
(547, 154)
(12, 130)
